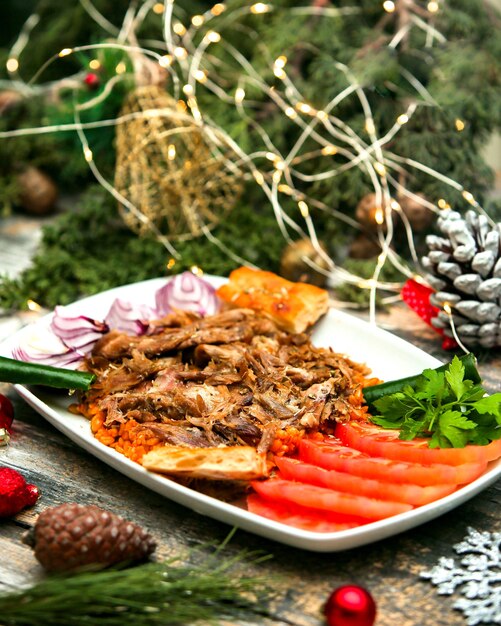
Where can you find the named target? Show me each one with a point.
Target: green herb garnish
(22, 373)
(444, 405)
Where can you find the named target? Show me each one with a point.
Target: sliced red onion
(44, 347)
(188, 293)
(78, 333)
(128, 317)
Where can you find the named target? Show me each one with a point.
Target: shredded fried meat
(228, 379)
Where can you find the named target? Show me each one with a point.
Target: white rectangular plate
(388, 356)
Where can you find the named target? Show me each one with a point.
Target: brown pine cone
(70, 536)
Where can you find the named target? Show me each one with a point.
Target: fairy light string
(188, 56)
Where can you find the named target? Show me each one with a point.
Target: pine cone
(464, 267)
(69, 536)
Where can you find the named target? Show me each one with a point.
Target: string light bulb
(433, 6)
(180, 53)
(65, 52)
(12, 65)
(468, 196)
(303, 207)
(402, 119)
(94, 64)
(213, 37)
(121, 68)
(239, 95)
(304, 107)
(198, 271)
(166, 60)
(179, 29)
(197, 20)
(200, 76)
(389, 6)
(33, 306)
(459, 124)
(158, 8)
(370, 126)
(88, 156)
(218, 8)
(259, 7)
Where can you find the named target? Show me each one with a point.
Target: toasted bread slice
(292, 306)
(229, 463)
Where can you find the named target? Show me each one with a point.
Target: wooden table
(389, 569)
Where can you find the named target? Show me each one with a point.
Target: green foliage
(90, 250)
(211, 591)
(444, 406)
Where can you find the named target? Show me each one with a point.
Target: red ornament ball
(15, 493)
(92, 80)
(350, 605)
(6, 412)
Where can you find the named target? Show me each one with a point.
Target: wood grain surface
(302, 580)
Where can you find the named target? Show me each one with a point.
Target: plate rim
(229, 513)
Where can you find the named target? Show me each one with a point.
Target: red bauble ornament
(350, 605)
(15, 493)
(92, 80)
(6, 412)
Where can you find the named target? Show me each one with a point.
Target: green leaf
(412, 428)
(455, 376)
(454, 425)
(394, 407)
(489, 404)
(435, 383)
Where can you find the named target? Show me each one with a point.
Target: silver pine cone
(463, 266)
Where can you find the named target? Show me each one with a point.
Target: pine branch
(147, 595)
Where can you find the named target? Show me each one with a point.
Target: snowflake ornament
(477, 577)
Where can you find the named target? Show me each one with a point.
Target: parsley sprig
(444, 406)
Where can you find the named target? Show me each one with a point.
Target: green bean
(22, 373)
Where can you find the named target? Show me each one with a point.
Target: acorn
(72, 536)
(420, 216)
(37, 192)
(299, 262)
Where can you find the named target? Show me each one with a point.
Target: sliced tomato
(377, 441)
(293, 469)
(333, 455)
(327, 499)
(302, 517)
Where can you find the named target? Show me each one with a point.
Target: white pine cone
(463, 265)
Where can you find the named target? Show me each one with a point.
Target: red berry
(6, 412)
(350, 605)
(92, 80)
